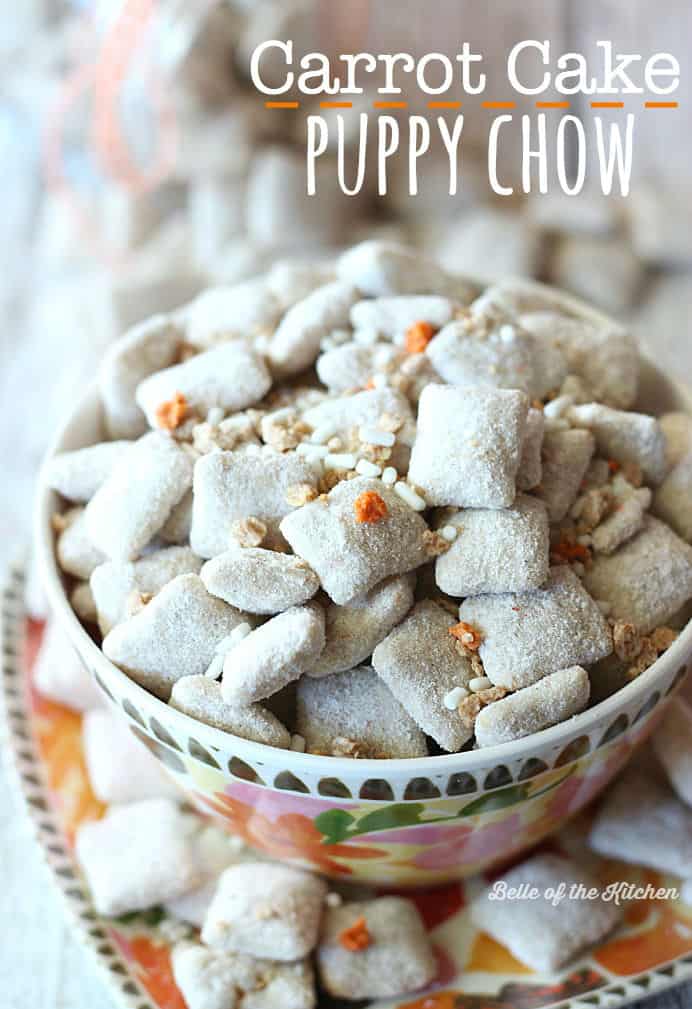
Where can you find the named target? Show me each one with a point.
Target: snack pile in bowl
(370, 510)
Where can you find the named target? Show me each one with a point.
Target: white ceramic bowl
(399, 822)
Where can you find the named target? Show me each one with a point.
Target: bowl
(400, 823)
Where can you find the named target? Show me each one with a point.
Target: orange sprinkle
(172, 413)
(370, 507)
(613, 465)
(356, 937)
(418, 336)
(467, 634)
(565, 552)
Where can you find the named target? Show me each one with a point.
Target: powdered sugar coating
(468, 445)
(672, 744)
(146, 348)
(113, 583)
(566, 456)
(174, 635)
(116, 856)
(351, 557)
(120, 767)
(296, 342)
(260, 581)
(542, 933)
(176, 528)
(274, 654)
(420, 663)
(220, 314)
(201, 698)
(647, 580)
(398, 959)
(234, 485)
(355, 707)
(553, 699)
(348, 367)
(379, 269)
(211, 980)
(231, 377)
(530, 465)
(394, 315)
(75, 549)
(353, 631)
(78, 475)
(496, 550)
(673, 499)
(677, 431)
(134, 502)
(364, 409)
(625, 437)
(528, 635)
(642, 822)
(261, 907)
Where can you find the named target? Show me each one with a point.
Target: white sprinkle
(283, 413)
(389, 476)
(399, 338)
(367, 468)
(449, 533)
(322, 434)
(452, 698)
(479, 683)
(215, 415)
(376, 436)
(380, 381)
(584, 541)
(224, 645)
(507, 333)
(335, 444)
(333, 899)
(557, 406)
(366, 336)
(312, 451)
(408, 495)
(298, 743)
(340, 460)
(238, 633)
(215, 667)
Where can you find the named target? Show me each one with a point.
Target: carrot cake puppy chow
(201, 698)
(262, 907)
(75, 550)
(139, 855)
(565, 457)
(229, 313)
(120, 589)
(527, 635)
(260, 581)
(393, 316)
(360, 533)
(78, 475)
(468, 445)
(374, 949)
(496, 550)
(553, 699)
(354, 714)
(174, 635)
(296, 341)
(544, 933)
(422, 664)
(379, 269)
(354, 630)
(626, 437)
(211, 980)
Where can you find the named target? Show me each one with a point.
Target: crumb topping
(418, 336)
(172, 412)
(249, 532)
(467, 635)
(370, 507)
(356, 937)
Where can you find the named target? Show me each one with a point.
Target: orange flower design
(151, 962)
(290, 836)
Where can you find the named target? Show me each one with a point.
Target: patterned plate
(651, 952)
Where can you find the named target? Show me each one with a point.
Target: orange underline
(282, 105)
(336, 105)
(498, 105)
(444, 105)
(552, 105)
(390, 105)
(660, 105)
(607, 105)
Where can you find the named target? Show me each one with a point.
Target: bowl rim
(466, 760)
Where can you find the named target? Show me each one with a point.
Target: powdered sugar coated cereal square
(530, 466)
(78, 475)
(468, 445)
(201, 698)
(120, 767)
(625, 437)
(553, 699)
(566, 456)
(260, 581)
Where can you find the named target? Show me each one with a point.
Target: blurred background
(140, 166)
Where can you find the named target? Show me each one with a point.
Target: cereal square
(566, 456)
(527, 635)
(352, 548)
(375, 949)
(647, 579)
(201, 698)
(211, 980)
(421, 663)
(496, 550)
(353, 714)
(673, 499)
(260, 581)
(78, 475)
(543, 933)
(625, 437)
(531, 465)
(261, 907)
(468, 446)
